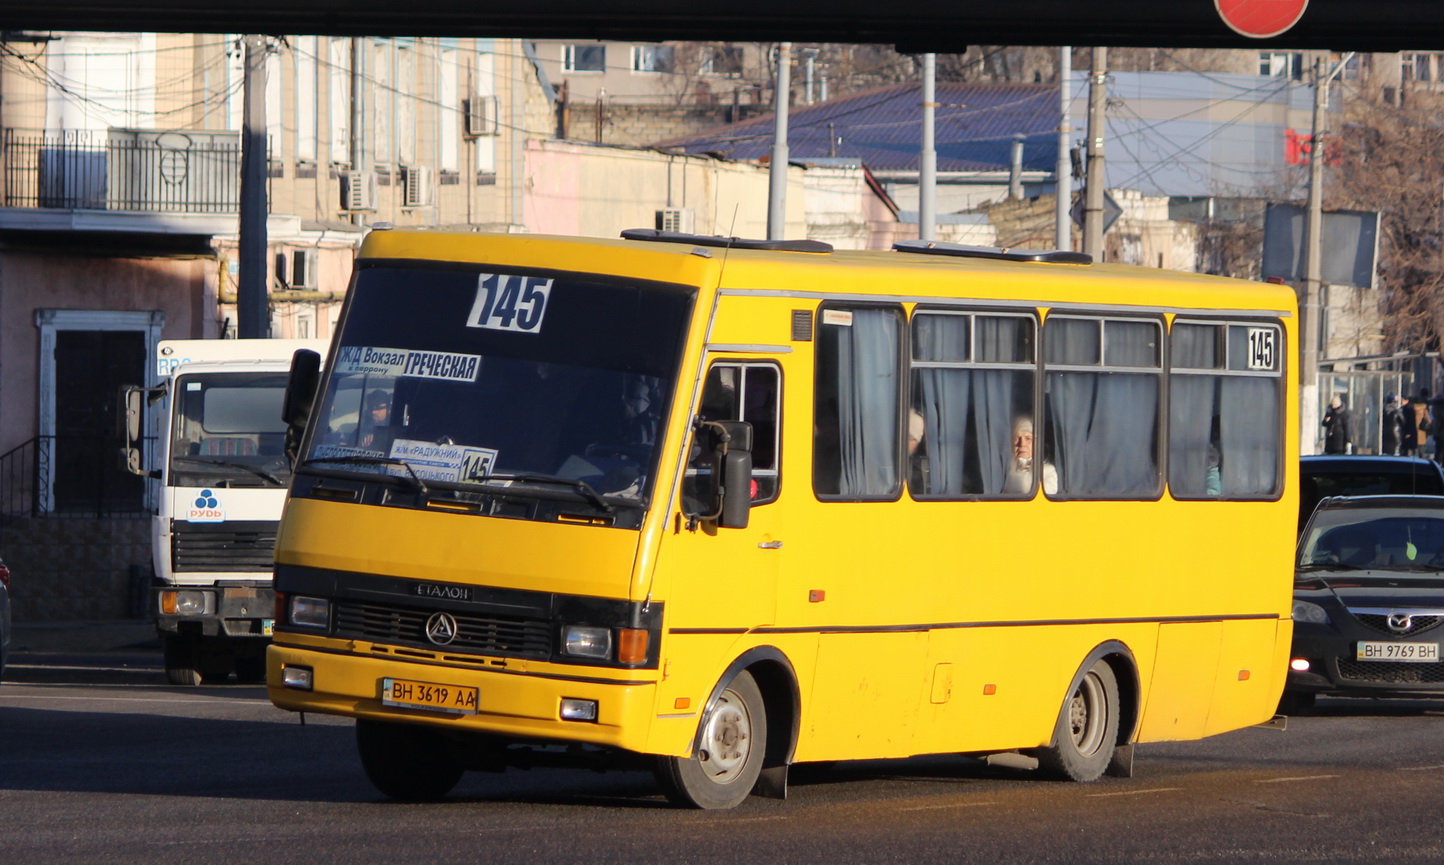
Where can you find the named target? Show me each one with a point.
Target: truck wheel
(182, 660)
(406, 761)
(728, 758)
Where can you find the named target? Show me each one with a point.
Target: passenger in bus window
(1020, 473)
(917, 454)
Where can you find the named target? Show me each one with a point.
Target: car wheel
(1087, 728)
(725, 764)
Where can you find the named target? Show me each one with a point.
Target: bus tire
(725, 764)
(182, 660)
(406, 761)
(1087, 729)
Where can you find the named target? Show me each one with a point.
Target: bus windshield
(471, 378)
(228, 431)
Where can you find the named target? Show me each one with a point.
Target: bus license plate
(268, 627)
(428, 695)
(1413, 652)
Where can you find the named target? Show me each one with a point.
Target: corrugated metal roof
(974, 126)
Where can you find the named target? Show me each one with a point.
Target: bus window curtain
(868, 403)
(1249, 436)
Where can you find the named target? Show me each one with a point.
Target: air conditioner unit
(420, 181)
(358, 190)
(481, 115)
(303, 268)
(682, 219)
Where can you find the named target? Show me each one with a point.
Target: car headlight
(585, 641)
(1310, 613)
(310, 612)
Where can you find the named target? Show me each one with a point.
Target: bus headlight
(585, 641)
(1310, 613)
(310, 612)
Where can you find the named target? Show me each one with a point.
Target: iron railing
(89, 484)
(123, 169)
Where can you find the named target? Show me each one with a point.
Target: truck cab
(220, 465)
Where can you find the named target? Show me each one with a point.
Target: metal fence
(123, 169)
(90, 485)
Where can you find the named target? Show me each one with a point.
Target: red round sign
(1260, 19)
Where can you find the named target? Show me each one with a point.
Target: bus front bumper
(508, 702)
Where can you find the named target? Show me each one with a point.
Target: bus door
(724, 580)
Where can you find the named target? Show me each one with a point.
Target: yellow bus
(719, 506)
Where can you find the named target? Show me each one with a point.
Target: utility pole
(1064, 169)
(928, 158)
(253, 318)
(1096, 184)
(777, 174)
(1310, 307)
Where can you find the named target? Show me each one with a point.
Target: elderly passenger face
(1023, 440)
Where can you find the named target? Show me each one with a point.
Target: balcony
(123, 170)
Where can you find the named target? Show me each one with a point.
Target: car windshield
(1396, 539)
(228, 430)
(463, 379)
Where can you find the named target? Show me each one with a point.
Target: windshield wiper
(258, 472)
(375, 461)
(577, 484)
(1330, 566)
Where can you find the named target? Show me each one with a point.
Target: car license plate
(428, 695)
(1380, 651)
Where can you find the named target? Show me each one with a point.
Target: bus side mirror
(721, 477)
(130, 427)
(300, 395)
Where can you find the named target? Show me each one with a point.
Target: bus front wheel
(406, 762)
(1087, 729)
(728, 758)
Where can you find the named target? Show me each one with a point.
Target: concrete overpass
(912, 25)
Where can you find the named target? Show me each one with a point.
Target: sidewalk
(83, 636)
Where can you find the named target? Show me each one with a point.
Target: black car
(1368, 600)
(1362, 475)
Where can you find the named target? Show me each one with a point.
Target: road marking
(1300, 778)
(948, 805)
(1419, 768)
(1134, 792)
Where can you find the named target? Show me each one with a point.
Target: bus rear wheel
(728, 758)
(405, 761)
(1087, 729)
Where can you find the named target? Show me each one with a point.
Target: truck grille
(503, 636)
(223, 548)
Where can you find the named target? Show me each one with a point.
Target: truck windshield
(228, 430)
(502, 379)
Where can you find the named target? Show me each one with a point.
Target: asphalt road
(101, 762)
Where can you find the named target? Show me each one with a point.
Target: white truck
(218, 457)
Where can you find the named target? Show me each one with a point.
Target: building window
(1281, 64)
(653, 58)
(725, 61)
(584, 57)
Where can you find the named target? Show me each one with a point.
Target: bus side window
(857, 434)
(1104, 383)
(1224, 430)
(749, 393)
